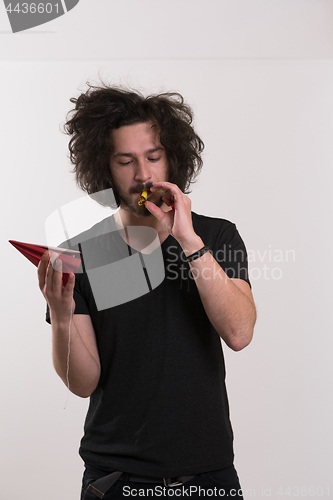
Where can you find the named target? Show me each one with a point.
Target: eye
(154, 159)
(125, 163)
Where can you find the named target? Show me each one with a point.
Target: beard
(142, 211)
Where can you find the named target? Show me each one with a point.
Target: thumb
(155, 210)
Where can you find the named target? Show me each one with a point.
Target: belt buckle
(166, 481)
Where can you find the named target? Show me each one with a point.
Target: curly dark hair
(103, 108)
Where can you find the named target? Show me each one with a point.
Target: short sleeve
(81, 306)
(231, 254)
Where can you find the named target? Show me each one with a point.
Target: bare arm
(84, 363)
(228, 302)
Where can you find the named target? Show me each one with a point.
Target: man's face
(137, 160)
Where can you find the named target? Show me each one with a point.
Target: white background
(259, 75)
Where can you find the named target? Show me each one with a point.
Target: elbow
(238, 334)
(83, 392)
(239, 346)
(78, 387)
(239, 340)
(242, 337)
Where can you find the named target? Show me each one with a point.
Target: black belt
(102, 485)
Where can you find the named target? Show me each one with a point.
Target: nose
(142, 171)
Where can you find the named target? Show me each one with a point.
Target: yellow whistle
(143, 198)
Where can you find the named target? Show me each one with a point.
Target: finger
(49, 277)
(57, 274)
(168, 186)
(41, 269)
(69, 288)
(50, 273)
(166, 218)
(155, 210)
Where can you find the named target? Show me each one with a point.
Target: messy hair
(102, 109)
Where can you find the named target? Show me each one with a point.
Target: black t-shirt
(161, 407)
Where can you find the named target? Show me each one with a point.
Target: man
(153, 366)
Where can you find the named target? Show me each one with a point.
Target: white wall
(259, 75)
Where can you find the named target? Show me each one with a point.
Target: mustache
(141, 187)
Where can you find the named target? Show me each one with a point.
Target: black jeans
(215, 484)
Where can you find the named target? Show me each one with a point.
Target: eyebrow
(149, 151)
